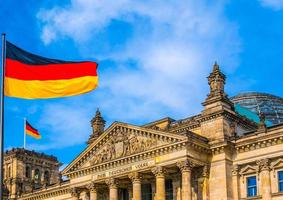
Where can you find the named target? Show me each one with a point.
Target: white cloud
(159, 68)
(274, 4)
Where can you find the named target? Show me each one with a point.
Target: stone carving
(205, 171)
(158, 171)
(75, 192)
(135, 177)
(123, 144)
(111, 182)
(185, 165)
(92, 187)
(235, 170)
(263, 164)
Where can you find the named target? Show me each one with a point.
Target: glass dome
(270, 105)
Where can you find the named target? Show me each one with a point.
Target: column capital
(92, 187)
(111, 182)
(158, 171)
(235, 170)
(205, 171)
(135, 177)
(263, 164)
(185, 165)
(75, 192)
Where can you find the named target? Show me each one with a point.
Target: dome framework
(270, 105)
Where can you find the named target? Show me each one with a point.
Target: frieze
(253, 144)
(123, 144)
(124, 170)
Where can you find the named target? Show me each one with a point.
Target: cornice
(257, 141)
(47, 193)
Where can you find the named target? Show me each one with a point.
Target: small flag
(31, 76)
(32, 131)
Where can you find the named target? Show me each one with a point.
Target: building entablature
(49, 192)
(256, 140)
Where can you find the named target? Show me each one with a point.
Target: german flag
(32, 131)
(31, 76)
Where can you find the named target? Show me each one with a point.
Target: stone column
(176, 182)
(159, 173)
(113, 188)
(136, 180)
(92, 191)
(75, 193)
(235, 182)
(186, 170)
(265, 179)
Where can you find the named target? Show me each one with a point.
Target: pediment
(248, 169)
(121, 140)
(277, 163)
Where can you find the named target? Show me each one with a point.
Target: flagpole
(25, 133)
(2, 113)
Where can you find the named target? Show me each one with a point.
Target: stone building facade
(26, 171)
(215, 155)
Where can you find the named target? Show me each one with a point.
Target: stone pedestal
(186, 169)
(159, 173)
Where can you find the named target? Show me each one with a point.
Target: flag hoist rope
(2, 114)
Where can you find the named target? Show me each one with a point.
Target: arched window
(28, 174)
(37, 174)
(46, 177)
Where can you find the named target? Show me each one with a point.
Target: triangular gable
(121, 140)
(248, 170)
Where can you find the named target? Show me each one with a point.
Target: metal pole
(24, 133)
(2, 113)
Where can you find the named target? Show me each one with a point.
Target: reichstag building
(231, 150)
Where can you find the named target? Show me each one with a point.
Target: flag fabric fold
(31, 76)
(32, 131)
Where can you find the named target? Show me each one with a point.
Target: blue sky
(154, 57)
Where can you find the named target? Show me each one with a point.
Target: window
(251, 186)
(280, 181)
(37, 174)
(46, 177)
(27, 172)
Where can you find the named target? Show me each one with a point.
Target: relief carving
(123, 144)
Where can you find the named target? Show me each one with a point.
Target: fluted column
(159, 173)
(75, 193)
(186, 170)
(136, 180)
(92, 191)
(265, 179)
(113, 188)
(235, 182)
